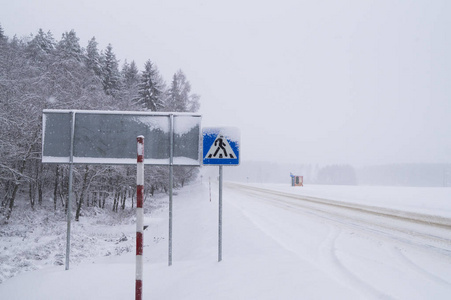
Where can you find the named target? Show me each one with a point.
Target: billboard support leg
(69, 198)
(69, 215)
(171, 184)
(170, 215)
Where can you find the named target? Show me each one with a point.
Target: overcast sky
(359, 82)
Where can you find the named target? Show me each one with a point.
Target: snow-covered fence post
(139, 217)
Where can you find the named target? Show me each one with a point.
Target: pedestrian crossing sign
(221, 146)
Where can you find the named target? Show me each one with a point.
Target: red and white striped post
(139, 217)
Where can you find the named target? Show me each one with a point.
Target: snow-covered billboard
(109, 137)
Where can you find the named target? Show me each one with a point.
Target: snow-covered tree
(38, 73)
(42, 42)
(185, 174)
(110, 72)
(69, 47)
(180, 98)
(20, 131)
(130, 74)
(3, 37)
(41, 46)
(151, 88)
(129, 86)
(93, 59)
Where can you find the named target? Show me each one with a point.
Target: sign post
(221, 147)
(220, 216)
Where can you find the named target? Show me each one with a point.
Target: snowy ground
(360, 243)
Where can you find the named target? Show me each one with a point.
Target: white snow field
(279, 242)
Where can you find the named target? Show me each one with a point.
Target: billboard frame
(71, 132)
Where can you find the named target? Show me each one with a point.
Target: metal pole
(139, 217)
(69, 216)
(69, 200)
(171, 183)
(220, 216)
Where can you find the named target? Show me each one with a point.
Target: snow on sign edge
(231, 133)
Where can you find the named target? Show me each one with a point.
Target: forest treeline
(39, 72)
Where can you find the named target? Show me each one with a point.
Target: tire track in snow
(408, 229)
(330, 260)
(397, 253)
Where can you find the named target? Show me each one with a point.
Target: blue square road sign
(221, 146)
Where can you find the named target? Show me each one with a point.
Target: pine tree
(110, 70)
(180, 98)
(41, 46)
(45, 41)
(151, 89)
(3, 37)
(129, 86)
(93, 59)
(3, 44)
(130, 74)
(69, 47)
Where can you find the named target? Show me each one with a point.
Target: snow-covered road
(279, 242)
(379, 251)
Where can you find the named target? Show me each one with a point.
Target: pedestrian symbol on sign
(220, 149)
(221, 146)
